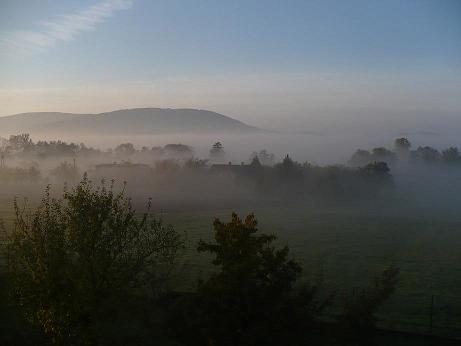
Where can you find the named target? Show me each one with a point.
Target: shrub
(74, 260)
(360, 306)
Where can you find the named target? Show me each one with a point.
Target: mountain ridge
(129, 121)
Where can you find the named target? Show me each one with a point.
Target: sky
(295, 65)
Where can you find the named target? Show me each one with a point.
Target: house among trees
(228, 167)
(239, 171)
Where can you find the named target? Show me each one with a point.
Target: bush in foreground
(76, 261)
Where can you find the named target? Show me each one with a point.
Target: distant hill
(128, 122)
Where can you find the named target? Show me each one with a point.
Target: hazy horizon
(307, 66)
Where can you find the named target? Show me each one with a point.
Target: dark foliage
(217, 152)
(251, 299)
(360, 306)
(75, 263)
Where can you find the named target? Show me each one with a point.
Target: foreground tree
(361, 305)
(74, 260)
(251, 300)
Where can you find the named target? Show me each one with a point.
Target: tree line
(402, 152)
(175, 167)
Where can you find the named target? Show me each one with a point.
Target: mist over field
(230, 173)
(316, 141)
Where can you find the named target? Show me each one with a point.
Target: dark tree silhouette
(180, 151)
(426, 154)
(265, 158)
(290, 172)
(402, 147)
(360, 306)
(377, 168)
(255, 163)
(195, 164)
(21, 142)
(383, 154)
(75, 260)
(217, 151)
(360, 158)
(451, 155)
(66, 172)
(125, 150)
(250, 300)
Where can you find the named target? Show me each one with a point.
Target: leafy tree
(21, 142)
(75, 260)
(178, 150)
(3, 143)
(14, 328)
(125, 150)
(251, 299)
(195, 164)
(4, 151)
(56, 148)
(66, 172)
(87, 151)
(360, 158)
(451, 155)
(377, 169)
(157, 151)
(217, 151)
(290, 175)
(402, 147)
(383, 154)
(167, 167)
(426, 154)
(373, 178)
(360, 305)
(265, 158)
(255, 163)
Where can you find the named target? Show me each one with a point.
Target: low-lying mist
(313, 146)
(243, 170)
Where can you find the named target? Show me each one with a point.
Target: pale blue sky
(248, 58)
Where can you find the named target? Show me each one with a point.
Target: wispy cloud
(63, 28)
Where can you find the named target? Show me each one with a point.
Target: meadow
(343, 245)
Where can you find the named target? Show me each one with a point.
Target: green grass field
(347, 246)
